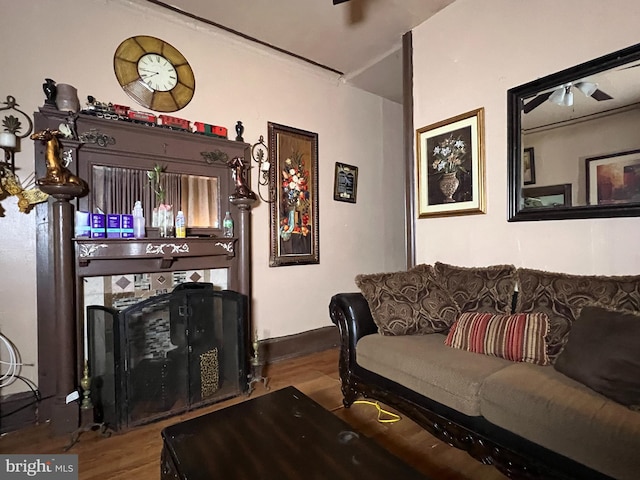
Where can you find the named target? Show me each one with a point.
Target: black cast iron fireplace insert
(167, 354)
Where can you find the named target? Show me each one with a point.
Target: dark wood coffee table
(279, 436)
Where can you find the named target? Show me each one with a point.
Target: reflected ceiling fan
(563, 95)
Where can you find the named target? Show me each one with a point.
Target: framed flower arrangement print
(294, 211)
(451, 168)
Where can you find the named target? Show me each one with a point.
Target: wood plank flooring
(135, 454)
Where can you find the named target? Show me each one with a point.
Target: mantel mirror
(114, 189)
(574, 148)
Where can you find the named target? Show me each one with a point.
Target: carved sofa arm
(350, 312)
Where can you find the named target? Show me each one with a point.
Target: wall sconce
(9, 137)
(260, 155)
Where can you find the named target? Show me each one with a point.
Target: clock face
(154, 73)
(157, 72)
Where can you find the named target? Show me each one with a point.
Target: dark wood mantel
(141, 147)
(96, 257)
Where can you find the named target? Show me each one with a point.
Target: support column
(64, 417)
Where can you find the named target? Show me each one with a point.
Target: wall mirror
(574, 147)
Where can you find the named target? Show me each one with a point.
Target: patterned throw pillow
(519, 337)
(479, 289)
(561, 296)
(408, 302)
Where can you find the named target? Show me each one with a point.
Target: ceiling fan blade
(338, 2)
(536, 102)
(600, 95)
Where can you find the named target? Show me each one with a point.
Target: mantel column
(64, 417)
(244, 243)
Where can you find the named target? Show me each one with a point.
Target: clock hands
(150, 73)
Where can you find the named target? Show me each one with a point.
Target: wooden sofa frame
(511, 454)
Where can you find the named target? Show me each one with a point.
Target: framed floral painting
(294, 211)
(451, 177)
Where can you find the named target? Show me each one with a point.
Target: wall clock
(154, 73)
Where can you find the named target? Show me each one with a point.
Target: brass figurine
(57, 173)
(242, 189)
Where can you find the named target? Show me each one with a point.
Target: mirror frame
(515, 101)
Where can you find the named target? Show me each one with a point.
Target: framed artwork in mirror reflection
(345, 184)
(528, 166)
(614, 179)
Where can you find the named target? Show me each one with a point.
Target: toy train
(123, 112)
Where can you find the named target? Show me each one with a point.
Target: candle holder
(256, 368)
(260, 155)
(9, 137)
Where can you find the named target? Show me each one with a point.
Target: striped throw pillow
(519, 337)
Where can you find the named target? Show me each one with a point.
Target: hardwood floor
(136, 452)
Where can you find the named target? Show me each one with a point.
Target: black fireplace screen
(166, 354)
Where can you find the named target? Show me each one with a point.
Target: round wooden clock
(154, 73)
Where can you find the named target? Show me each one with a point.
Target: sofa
(534, 372)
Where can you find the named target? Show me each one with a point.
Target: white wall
(468, 56)
(235, 80)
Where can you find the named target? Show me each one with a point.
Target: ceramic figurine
(50, 90)
(239, 131)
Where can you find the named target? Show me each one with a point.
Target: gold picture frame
(294, 211)
(451, 166)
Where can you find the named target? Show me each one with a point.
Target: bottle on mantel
(181, 229)
(227, 226)
(138, 220)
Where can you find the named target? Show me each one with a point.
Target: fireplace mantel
(97, 257)
(138, 147)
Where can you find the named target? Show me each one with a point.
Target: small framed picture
(345, 185)
(528, 166)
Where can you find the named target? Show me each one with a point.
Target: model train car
(211, 130)
(174, 122)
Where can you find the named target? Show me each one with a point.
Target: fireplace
(166, 354)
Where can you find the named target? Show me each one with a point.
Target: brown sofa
(568, 413)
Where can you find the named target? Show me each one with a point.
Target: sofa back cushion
(479, 289)
(518, 337)
(561, 296)
(603, 353)
(408, 302)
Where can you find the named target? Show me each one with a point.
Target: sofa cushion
(561, 296)
(556, 412)
(603, 352)
(408, 302)
(479, 289)
(424, 364)
(519, 337)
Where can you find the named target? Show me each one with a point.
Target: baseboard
(274, 350)
(17, 411)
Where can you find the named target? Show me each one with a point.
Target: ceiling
(619, 83)
(360, 39)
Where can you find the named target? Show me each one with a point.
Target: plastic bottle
(227, 225)
(138, 220)
(181, 229)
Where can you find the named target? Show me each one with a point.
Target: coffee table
(283, 435)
